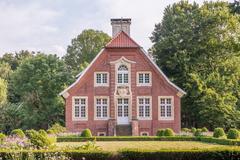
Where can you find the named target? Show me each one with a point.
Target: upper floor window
(79, 108)
(101, 107)
(144, 78)
(122, 76)
(144, 107)
(166, 108)
(101, 78)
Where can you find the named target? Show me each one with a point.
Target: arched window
(122, 74)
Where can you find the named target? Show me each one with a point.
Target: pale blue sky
(49, 25)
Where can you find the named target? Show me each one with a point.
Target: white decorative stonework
(123, 91)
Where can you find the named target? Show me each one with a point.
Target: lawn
(148, 145)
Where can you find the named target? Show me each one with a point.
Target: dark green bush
(193, 130)
(169, 132)
(18, 132)
(2, 137)
(86, 133)
(198, 133)
(233, 134)
(204, 129)
(160, 132)
(218, 132)
(56, 128)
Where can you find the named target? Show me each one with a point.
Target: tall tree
(38, 81)
(198, 48)
(3, 91)
(84, 48)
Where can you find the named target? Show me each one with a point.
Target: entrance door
(122, 110)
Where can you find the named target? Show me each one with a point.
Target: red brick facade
(138, 61)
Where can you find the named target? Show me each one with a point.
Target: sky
(49, 25)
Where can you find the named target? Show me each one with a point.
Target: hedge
(213, 154)
(151, 138)
(125, 138)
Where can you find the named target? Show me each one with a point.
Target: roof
(122, 40)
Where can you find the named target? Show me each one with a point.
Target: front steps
(124, 130)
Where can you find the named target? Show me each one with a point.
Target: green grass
(149, 145)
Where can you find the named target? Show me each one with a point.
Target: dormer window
(122, 74)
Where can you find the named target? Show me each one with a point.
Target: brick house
(122, 91)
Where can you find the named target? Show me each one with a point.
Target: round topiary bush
(198, 133)
(160, 132)
(86, 133)
(169, 132)
(185, 130)
(204, 129)
(193, 130)
(233, 134)
(18, 132)
(218, 132)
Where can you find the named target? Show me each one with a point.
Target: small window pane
(140, 78)
(125, 78)
(98, 78)
(162, 111)
(104, 78)
(147, 77)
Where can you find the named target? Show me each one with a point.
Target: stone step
(124, 130)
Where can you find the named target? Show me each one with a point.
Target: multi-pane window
(166, 108)
(122, 107)
(101, 78)
(144, 78)
(80, 108)
(122, 74)
(101, 108)
(144, 110)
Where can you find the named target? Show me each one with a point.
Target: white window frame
(95, 108)
(172, 108)
(122, 73)
(150, 110)
(141, 133)
(73, 108)
(144, 84)
(104, 133)
(101, 84)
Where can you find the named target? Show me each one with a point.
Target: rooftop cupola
(120, 24)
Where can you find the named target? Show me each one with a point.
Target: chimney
(120, 24)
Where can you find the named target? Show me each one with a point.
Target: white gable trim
(182, 92)
(121, 60)
(81, 74)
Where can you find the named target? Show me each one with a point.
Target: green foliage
(2, 137)
(86, 133)
(56, 128)
(37, 81)
(218, 132)
(160, 132)
(18, 132)
(169, 132)
(40, 139)
(198, 133)
(43, 132)
(3, 91)
(197, 46)
(84, 48)
(90, 145)
(233, 134)
(204, 129)
(193, 130)
(186, 130)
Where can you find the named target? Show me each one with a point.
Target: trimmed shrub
(40, 139)
(233, 134)
(204, 129)
(198, 133)
(86, 133)
(2, 137)
(185, 130)
(169, 132)
(160, 132)
(193, 130)
(43, 132)
(18, 132)
(218, 132)
(56, 128)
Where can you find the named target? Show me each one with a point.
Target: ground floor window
(166, 107)
(101, 134)
(144, 134)
(101, 107)
(144, 107)
(79, 107)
